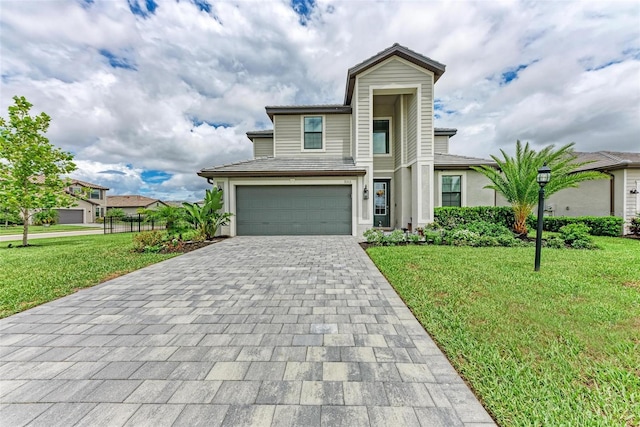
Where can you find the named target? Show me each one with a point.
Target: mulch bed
(184, 247)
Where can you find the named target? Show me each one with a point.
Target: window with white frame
(452, 190)
(313, 133)
(381, 137)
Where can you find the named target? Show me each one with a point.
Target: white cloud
(193, 69)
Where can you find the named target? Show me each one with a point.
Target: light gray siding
(397, 133)
(262, 147)
(412, 131)
(397, 72)
(633, 200)
(618, 193)
(288, 133)
(442, 144)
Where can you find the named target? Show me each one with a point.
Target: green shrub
(577, 236)
(9, 217)
(373, 236)
(414, 238)
(193, 236)
(149, 241)
(554, 242)
(393, 238)
(599, 225)
(433, 236)
(46, 216)
(115, 213)
(452, 217)
(634, 226)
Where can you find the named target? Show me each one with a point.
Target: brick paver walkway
(251, 331)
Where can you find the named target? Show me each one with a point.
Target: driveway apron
(272, 331)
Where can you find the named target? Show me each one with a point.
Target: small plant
(393, 238)
(46, 217)
(555, 242)
(634, 227)
(149, 241)
(414, 238)
(577, 236)
(433, 237)
(373, 236)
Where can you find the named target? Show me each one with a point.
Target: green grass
(557, 347)
(36, 229)
(56, 267)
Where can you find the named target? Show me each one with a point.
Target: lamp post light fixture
(544, 176)
(365, 193)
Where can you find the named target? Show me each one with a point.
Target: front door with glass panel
(381, 203)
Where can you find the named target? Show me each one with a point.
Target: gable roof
(396, 50)
(286, 166)
(130, 201)
(39, 179)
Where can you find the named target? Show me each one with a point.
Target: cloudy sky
(147, 92)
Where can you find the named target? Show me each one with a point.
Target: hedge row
(452, 217)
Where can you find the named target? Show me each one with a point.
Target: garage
(70, 216)
(293, 210)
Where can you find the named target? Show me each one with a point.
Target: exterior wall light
(543, 178)
(365, 193)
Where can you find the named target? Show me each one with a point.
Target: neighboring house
(619, 195)
(91, 202)
(341, 169)
(131, 204)
(374, 161)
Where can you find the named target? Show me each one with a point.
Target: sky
(145, 93)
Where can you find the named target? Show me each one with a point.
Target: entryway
(381, 203)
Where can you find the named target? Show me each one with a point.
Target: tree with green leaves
(516, 176)
(174, 218)
(207, 217)
(31, 168)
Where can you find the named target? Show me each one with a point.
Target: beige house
(619, 195)
(131, 204)
(375, 160)
(91, 203)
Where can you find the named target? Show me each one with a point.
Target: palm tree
(516, 177)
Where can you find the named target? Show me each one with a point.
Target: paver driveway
(251, 331)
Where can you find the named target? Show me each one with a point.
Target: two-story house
(374, 161)
(91, 203)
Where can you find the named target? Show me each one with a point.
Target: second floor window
(313, 133)
(95, 194)
(381, 137)
(452, 190)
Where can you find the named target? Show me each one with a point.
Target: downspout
(612, 188)
(210, 181)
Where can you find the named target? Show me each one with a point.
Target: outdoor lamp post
(544, 175)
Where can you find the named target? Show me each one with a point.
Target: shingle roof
(602, 160)
(453, 161)
(130, 201)
(287, 166)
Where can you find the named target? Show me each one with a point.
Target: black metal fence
(130, 224)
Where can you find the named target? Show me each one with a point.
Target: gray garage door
(70, 216)
(293, 210)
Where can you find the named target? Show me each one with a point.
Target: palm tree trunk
(521, 213)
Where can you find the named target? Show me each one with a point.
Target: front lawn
(56, 267)
(557, 347)
(36, 229)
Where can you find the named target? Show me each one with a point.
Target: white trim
(625, 190)
(324, 134)
(351, 136)
(390, 120)
(463, 186)
(274, 135)
(403, 136)
(419, 155)
(370, 127)
(395, 58)
(354, 113)
(404, 165)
